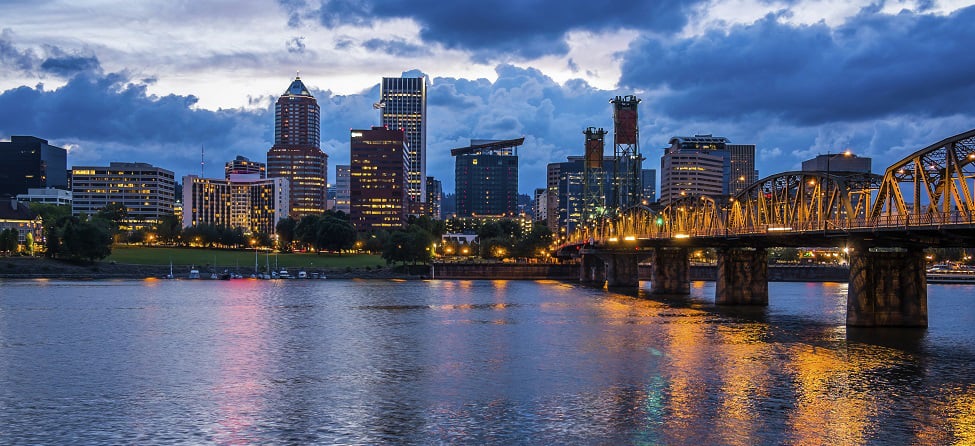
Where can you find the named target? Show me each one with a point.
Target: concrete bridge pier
(742, 277)
(622, 269)
(888, 288)
(671, 271)
(592, 269)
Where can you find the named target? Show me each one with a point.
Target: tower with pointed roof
(296, 154)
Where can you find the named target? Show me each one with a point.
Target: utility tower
(627, 161)
(593, 178)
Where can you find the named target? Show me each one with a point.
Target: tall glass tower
(403, 101)
(296, 154)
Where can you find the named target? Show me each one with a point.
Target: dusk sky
(154, 81)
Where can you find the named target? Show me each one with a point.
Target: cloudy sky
(154, 81)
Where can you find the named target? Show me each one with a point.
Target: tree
(85, 241)
(169, 229)
(535, 242)
(9, 240)
(410, 245)
(29, 243)
(306, 231)
(285, 229)
(334, 234)
(113, 213)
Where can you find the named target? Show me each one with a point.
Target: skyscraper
(296, 154)
(30, 162)
(342, 187)
(486, 178)
(377, 192)
(705, 165)
(404, 106)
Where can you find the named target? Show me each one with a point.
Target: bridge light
(613, 239)
(681, 236)
(630, 238)
(660, 221)
(779, 229)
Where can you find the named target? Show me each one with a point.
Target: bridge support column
(592, 269)
(671, 272)
(622, 270)
(888, 288)
(742, 277)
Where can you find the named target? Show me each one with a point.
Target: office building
(705, 165)
(403, 101)
(244, 201)
(296, 154)
(540, 205)
(342, 187)
(649, 183)
(838, 162)
(486, 178)
(565, 190)
(434, 198)
(47, 195)
(30, 162)
(244, 166)
(147, 192)
(377, 179)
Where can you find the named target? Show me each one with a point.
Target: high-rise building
(377, 179)
(146, 191)
(649, 182)
(486, 178)
(30, 162)
(296, 154)
(244, 166)
(705, 165)
(244, 201)
(342, 188)
(434, 197)
(540, 205)
(566, 190)
(404, 106)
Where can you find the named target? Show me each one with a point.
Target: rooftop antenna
(201, 161)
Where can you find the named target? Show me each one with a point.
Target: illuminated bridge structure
(924, 200)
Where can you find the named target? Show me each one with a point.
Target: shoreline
(27, 268)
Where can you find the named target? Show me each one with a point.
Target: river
(471, 362)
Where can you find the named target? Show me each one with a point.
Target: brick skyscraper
(296, 154)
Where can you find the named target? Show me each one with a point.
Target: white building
(47, 195)
(243, 201)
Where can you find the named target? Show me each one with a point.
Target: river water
(471, 362)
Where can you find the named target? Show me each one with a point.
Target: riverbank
(43, 268)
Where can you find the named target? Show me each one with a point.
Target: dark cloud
(397, 47)
(12, 57)
(873, 66)
(67, 66)
(494, 29)
(296, 45)
(111, 119)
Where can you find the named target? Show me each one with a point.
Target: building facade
(540, 205)
(649, 183)
(434, 198)
(47, 195)
(486, 178)
(705, 165)
(296, 154)
(146, 191)
(30, 162)
(244, 201)
(342, 187)
(838, 162)
(377, 179)
(403, 101)
(566, 189)
(244, 166)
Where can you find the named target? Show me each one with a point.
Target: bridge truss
(931, 187)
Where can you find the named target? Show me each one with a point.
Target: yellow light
(779, 228)
(613, 239)
(681, 236)
(630, 238)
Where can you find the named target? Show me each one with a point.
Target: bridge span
(885, 222)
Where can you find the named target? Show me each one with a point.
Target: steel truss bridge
(925, 200)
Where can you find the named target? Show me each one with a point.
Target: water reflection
(496, 362)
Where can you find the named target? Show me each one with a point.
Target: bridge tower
(594, 176)
(627, 161)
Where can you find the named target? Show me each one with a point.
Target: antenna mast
(201, 161)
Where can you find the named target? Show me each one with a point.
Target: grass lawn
(228, 258)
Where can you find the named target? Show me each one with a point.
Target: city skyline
(797, 80)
